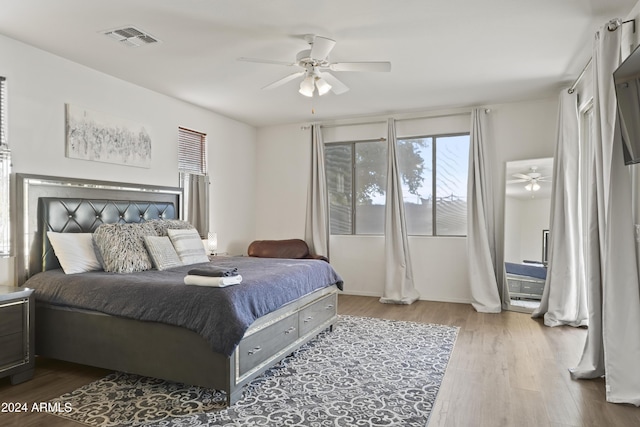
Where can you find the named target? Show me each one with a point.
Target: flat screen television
(627, 83)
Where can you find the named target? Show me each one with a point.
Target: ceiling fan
(532, 178)
(315, 66)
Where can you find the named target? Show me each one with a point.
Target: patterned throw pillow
(163, 255)
(188, 245)
(162, 225)
(121, 247)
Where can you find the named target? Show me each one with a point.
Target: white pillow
(188, 245)
(163, 254)
(75, 251)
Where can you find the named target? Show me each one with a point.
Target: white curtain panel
(198, 199)
(399, 287)
(481, 221)
(564, 300)
(317, 222)
(612, 348)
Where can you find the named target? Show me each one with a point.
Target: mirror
(527, 210)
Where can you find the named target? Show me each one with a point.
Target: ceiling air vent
(131, 36)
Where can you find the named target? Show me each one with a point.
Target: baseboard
(361, 294)
(375, 295)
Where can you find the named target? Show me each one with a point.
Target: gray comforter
(220, 315)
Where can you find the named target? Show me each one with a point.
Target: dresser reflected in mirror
(526, 231)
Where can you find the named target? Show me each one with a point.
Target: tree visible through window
(356, 179)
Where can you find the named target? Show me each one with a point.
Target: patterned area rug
(367, 372)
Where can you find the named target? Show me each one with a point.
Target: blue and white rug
(367, 372)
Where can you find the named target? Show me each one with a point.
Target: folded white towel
(216, 282)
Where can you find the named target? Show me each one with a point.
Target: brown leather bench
(289, 248)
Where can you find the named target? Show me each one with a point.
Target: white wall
(535, 218)
(40, 84)
(524, 222)
(512, 230)
(518, 131)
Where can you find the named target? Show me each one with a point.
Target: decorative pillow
(75, 251)
(121, 247)
(162, 253)
(162, 225)
(188, 245)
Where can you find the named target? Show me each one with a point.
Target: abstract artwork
(101, 137)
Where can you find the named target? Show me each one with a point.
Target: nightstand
(16, 333)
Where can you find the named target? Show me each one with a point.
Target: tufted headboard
(74, 206)
(84, 216)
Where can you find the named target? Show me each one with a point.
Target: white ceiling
(444, 54)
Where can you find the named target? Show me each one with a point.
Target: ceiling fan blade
(337, 86)
(516, 181)
(266, 61)
(522, 176)
(321, 47)
(284, 80)
(382, 67)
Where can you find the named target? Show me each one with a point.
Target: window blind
(192, 151)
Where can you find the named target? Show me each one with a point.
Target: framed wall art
(101, 137)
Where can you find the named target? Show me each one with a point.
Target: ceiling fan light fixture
(532, 186)
(323, 86)
(314, 63)
(307, 87)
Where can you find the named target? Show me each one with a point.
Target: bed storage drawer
(261, 345)
(514, 285)
(532, 288)
(317, 313)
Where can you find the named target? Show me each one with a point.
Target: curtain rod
(353, 124)
(575, 83)
(437, 116)
(610, 27)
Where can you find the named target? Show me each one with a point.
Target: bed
(526, 280)
(150, 323)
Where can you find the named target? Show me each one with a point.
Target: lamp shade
(306, 87)
(323, 86)
(212, 242)
(532, 186)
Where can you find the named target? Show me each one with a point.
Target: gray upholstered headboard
(73, 205)
(84, 216)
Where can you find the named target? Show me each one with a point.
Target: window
(435, 165)
(192, 151)
(192, 165)
(356, 180)
(5, 171)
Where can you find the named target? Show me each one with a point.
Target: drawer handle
(288, 331)
(308, 319)
(329, 307)
(254, 351)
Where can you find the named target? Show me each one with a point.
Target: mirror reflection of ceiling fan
(314, 65)
(533, 179)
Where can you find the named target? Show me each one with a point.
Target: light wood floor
(506, 370)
